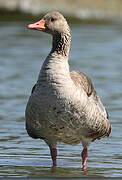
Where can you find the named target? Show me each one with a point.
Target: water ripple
(95, 50)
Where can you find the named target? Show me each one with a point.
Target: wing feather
(84, 82)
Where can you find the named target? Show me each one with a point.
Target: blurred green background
(99, 10)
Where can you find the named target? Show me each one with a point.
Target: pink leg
(53, 153)
(84, 155)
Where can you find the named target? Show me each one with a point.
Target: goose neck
(61, 44)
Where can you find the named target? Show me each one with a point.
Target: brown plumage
(81, 80)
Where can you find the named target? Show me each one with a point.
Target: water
(95, 50)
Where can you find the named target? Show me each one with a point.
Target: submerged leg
(53, 153)
(84, 155)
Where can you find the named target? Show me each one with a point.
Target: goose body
(63, 106)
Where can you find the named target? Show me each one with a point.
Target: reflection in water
(95, 50)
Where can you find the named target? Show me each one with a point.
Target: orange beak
(40, 25)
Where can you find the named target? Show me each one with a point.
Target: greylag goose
(63, 106)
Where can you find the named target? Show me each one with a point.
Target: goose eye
(52, 19)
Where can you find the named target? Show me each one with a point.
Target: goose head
(53, 23)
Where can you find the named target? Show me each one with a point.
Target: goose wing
(80, 79)
(83, 81)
